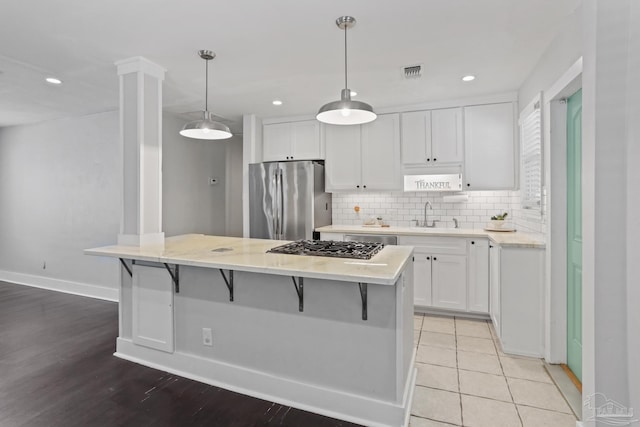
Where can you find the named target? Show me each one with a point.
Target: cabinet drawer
(439, 245)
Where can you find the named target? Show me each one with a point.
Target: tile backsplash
(402, 208)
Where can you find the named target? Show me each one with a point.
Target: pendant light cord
(346, 86)
(206, 85)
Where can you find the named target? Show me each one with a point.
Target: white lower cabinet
(449, 281)
(440, 272)
(478, 277)
(517, 305)
(152, 300)
(422, 278)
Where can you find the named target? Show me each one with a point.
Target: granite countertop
(250, 255)
(514, 239)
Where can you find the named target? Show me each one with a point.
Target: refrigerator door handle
(275, 208)
(281, 197)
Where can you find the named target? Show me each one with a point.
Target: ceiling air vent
(412, 72)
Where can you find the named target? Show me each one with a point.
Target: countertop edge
(499, 238)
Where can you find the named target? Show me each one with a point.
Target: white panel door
(447, 140)
(343, 158)
(449, 281)
(381, 154)
(489, 147)
(276, 142)
(494, 287)
(305, 141)
(416, 138)
(152, 308)
(479, 275)
(422, 279)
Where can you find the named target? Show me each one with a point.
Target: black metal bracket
(175, 276)
(228, 282)
(363, 296)
(299, 285)
(126, 267)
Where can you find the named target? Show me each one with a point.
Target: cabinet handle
(468, 185)
(428, 258)
(435, 259)
(291, 157)
(473, 243)
(357, 186)
(364, 186)
(490, 246)
(428, 160)
(434, 159)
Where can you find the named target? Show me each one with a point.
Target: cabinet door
(276, 142)
(416, 138)
(305, 140)
(381, 154)
(449, 281)
(342, 166)
(489, 147)
(494, 287)
(446, 136)
(478, 276)
(422, 279)
(152, 300)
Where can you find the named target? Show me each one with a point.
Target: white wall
(562, 52)
(234, 187)
(189, 203)
(610, 206)
(60, 194)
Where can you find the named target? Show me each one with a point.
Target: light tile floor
(464, 379)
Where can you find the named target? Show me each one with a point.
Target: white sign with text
(450, 182)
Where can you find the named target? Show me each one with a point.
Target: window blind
(531, 156)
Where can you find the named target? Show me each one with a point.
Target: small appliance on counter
(287, 200)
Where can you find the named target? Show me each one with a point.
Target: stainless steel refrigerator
(287, 200)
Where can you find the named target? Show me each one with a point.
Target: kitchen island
(329, 335)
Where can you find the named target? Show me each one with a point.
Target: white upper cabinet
(365, 157)
(291, 141)
(343, 160)
(490, 154)
(381, 154)
(432, 138)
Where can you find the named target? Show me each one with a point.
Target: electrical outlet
(207, 337)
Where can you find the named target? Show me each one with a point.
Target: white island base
(325, 359)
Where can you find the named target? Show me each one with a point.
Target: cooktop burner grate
(357, 250)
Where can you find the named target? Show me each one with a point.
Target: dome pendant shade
(206, 128)
(345, 111)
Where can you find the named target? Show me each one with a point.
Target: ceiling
(285, 49)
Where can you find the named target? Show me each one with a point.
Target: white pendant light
(206, 128)
(345, 111)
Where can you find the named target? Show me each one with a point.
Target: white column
(141, 145)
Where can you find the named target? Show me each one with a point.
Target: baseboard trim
(66, 286)
(308, 397)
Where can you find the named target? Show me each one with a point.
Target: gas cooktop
(357, 250)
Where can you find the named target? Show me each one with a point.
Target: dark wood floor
(57, 369)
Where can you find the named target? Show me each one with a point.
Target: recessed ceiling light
(354, 93)
(53, 81)
(468, 78)
(277, 102)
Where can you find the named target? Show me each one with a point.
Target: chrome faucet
(425, 222)
(428, 203)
